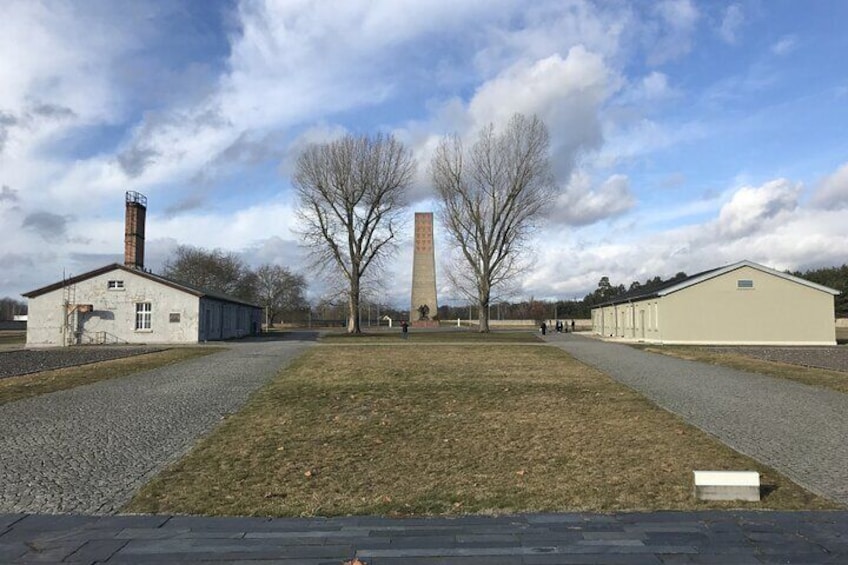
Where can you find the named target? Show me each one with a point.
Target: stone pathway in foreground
(88, 449)
(800, 430)
(543, 539)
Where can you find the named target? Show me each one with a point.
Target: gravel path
(90, 448)
(797, 429)
(23, 361)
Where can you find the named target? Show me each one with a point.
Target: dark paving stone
(732, 538)
(677, 538)
(442, 561)
(711, 559)
(129, 521)
(214, 523)
(796, 559)
(7, 520)
(790, 548)
(591, 559)
(52, 553)
(46, 522)
(663, 527)
(487, 538)
(613, 535)
(568, 519)
(10, 551)
(152, 533)
(96, 550)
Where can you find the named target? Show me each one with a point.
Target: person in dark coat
(572, 326)
(544, 328)
(404, 328)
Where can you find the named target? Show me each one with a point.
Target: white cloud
(752, 207)
(785, 45)
(762, 223)
(730, 23)
(832, 192)
(555, 88)
(580, 203)
(673, 30)
(647, 91)
(298, 71)
(567, 93)
(655, 86)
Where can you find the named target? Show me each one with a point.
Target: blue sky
(685, 134)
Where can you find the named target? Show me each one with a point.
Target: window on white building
(143, 316)
(744, 283)
(115, 285)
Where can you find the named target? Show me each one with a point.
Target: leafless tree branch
(351, 197)
(491, 195)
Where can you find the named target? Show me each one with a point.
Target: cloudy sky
(685, 134)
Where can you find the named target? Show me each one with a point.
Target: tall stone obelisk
(423, 272)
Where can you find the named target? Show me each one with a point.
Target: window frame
(144, 316)
(115, 284)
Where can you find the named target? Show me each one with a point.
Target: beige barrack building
(740, 304)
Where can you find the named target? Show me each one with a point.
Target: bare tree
(280, 291)
(11, 307)
(212, 270)
(490, 197)
(351, 196)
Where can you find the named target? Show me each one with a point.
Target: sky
(685, 134)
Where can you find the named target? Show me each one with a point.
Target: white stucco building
(740, 304)
(119, 304)
(127, 304)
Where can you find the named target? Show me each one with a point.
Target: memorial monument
(424, 306)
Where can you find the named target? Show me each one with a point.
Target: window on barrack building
(143, 316)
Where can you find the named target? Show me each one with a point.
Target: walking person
(404, 328)
(544, 328)
(572, 326)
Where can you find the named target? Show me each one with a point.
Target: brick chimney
(134, 233)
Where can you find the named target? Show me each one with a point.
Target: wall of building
(774, 311)
(173, 318)
(226, 320)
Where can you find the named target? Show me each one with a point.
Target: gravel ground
(90, 448)
(799, 430)
(24, 361)
(833, 358)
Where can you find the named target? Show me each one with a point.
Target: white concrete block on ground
(727, 485)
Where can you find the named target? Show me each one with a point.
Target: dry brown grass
(833, 380)
(25, 386)
(402, 430)
(416, 336)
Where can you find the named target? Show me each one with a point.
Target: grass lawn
(24, 386)
(448, 429)
(808, 375)
(394, 336)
